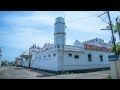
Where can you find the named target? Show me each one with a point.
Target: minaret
(59, 41)
(59, 32)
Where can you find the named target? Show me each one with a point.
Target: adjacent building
(18, 61)
(26, 59)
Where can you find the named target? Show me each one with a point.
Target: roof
(73, 48)
(98, 48)
(26, 52)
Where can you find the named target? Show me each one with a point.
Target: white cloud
(26, 29)
(25, 37)
(35, 18)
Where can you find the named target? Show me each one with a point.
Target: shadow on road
(43, 73)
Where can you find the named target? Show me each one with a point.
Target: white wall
(18, 62)
(48, 63)
(25, 62)
(115, 66)
(70, 63)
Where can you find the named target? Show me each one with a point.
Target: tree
(116, 29)
(3, 63)
(117, 49)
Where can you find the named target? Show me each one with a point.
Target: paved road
(11, 72)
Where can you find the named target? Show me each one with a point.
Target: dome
(59, 19)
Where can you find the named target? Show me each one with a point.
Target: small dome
(59, 19)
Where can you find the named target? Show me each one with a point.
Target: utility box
(114, 66)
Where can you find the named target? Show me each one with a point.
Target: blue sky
(20, 29)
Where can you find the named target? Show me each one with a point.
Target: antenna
(65, 17)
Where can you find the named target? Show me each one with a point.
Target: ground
(12, 72)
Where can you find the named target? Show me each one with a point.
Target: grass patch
(108, 77)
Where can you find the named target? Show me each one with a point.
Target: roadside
(11, 72)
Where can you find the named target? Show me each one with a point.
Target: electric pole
(110, 28)
(110, 23)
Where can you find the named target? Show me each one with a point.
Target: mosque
(57, 57)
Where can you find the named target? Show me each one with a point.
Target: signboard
(113, 57)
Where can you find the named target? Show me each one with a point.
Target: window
(44, 56)
(76, 56)
(48, 55)
(101, 58)
(89, 57)
(39, 57)
(54, 54)
(70, 55)
(58, 46)
(26, 59)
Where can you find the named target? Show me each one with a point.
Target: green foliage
(109, 77)
(115, 28)
(3, 63)
(117, 48)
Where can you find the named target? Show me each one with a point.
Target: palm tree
(117, 49)
(116, 29)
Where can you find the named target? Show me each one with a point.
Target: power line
(73, 20)
(102, 18)
(41, 28)
(110, 28)
(81, 18)
(101, 22)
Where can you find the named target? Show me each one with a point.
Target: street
(12, 72)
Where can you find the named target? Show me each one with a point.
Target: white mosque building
(57, 57)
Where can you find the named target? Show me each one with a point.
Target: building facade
(18, 61)
(61, 57)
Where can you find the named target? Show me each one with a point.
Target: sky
(20, 29)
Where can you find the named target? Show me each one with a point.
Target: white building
(61, 57)
(0, 56)
(99, 42)
(18, 61)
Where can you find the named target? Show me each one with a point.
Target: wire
(81, 18)
(101, 22)
(67, 22)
